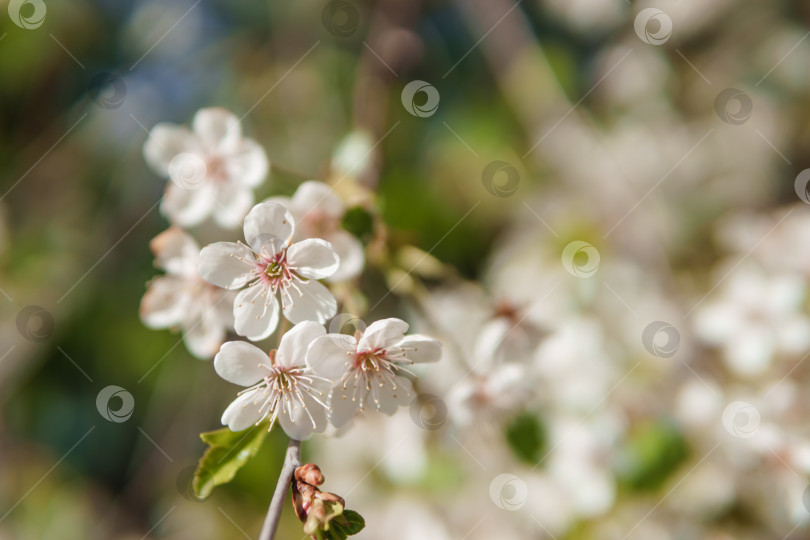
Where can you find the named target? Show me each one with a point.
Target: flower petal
(165, 141)
(382, 334)
(292, 350)
(164, 304)
(218, 129)
(351, 254)
(247, 165)
(242, 363)
(315, 303)
(255, 313)
(390, 399)
(418, 349)
(317, 197)
(341, 407)
(327, 356)
(188, 207)
(176, 252)
(243, 412)
(203, 334)
(233, 204)
(299, 422)
(225, 264)
(265, 221)
(313, 258)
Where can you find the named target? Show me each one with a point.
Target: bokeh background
(604, 219)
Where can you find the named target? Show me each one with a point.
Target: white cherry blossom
(370, 368)
(318, 212)
(280, 385)
(181, 299)
(213, 169)
(271, 265)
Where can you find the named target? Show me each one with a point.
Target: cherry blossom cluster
(313, 378)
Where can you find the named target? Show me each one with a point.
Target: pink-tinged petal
(165, 302)
(351, 254)
(300, 422)
(383, 333)
(233, 204)
(255, 313)
(328, 355)
(341, 407)
(218, 129)
(203, 333)
(266, 221)
(241, 363)
(247, 166)
(226, 264)
(292, 350)
(188, 207)
(313, 258)
(243, 412)
(315, 303)
(417, 349)
(390, 399)
(176, 252)
(165, 141)
(317, 197)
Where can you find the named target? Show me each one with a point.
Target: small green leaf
(227, 452)
(526, 437)
(359, 222)
(653, 450)
(356, 522)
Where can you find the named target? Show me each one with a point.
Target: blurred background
(599, 206)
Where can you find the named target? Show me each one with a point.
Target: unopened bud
(309, 473)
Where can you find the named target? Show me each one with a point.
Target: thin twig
(291, 462)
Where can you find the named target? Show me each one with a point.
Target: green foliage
(227, 452)
(359, 222)
(652, 452)
(526, 437)
(346, 524)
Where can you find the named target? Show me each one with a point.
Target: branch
(291, 462)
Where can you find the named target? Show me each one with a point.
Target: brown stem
(291, 462)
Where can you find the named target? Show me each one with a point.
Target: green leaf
(356, 522)
(652, 452)
(227, 452)
(526, 437)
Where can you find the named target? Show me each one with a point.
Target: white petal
(242, 363)
(225, 264)
(265, 221)
(341, 409)
(317, 197)
(203, 334)
(176, 252)
(419, 349)
(313, 258)
(188, 207)
(217, 129)
(351, 254)
(243, 412)
(292, 350)
(233, 204)
(315, 303)
(255, 314)
(164, 304)
(297, 422)
(390, 399)
(327, 356)
(165, 141)
(247, 165)
(383, 333)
